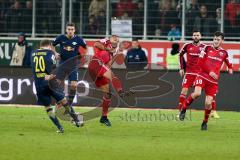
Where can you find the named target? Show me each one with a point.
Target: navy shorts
(70, 73)
(45, 93)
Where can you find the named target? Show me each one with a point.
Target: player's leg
(73, 77)
(214, 105)
(61, 100)
(53, 118)
(72, 92)
(76, 119)
(116, 83)
(210, 90)
(208, 107)
(182, 98)
(44, 99)
(188, 82)
(106, 101)
(197, 93)
(199, 84)
(184, 92)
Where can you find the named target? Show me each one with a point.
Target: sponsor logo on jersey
(68, 48)
(74, 43)
(194, 54)
(215, 58)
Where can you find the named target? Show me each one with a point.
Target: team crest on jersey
(221, 53)
(69, 48)
(74, 43)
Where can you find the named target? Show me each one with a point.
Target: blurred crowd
(163, 16)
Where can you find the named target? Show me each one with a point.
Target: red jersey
(192, 52)
(103, 55)
(211, 60)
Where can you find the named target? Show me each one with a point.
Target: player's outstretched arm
(99, 46)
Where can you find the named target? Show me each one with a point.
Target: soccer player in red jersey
(210, 62)
(105, 53)
(189, 65)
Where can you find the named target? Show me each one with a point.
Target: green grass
(27, 134)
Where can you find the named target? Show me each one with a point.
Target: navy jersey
(69, 47)
(42, 62)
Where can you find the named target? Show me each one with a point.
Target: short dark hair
(218, 33)
(135, 39)
(45, 42)
(196, 30)
(71, 24)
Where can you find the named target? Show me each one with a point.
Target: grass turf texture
(27, 134)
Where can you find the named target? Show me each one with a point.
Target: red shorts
(188, 80)
(96, 71)
(210, 88)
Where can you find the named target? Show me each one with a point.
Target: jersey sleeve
(57, 40)
(228, 63)
(51, 62)
(181, 57)
(82, 43)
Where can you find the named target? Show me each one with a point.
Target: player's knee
(195, 95)
(108, 95)
(108, 74)
(208, 104)
(62, 102)
(184, 91)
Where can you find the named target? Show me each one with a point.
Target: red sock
(206, 115)
(214, 105)
(187, 102)
(117, 84)
(182, 98)
(105, 105)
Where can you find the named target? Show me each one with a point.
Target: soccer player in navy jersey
(69, 58)
(43, 61)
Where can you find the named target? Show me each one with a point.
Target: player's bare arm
(181, 61)
(229, 65)
(49, 77)
(57, 55)
(181, 72)
(99, 46)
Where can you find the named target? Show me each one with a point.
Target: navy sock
(71, 111)
(71, 96)
(53, 118)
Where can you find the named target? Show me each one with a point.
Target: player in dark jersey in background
(43, 60)
(69, 58)
(210, 61)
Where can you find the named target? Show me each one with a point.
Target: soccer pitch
(28, 134)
